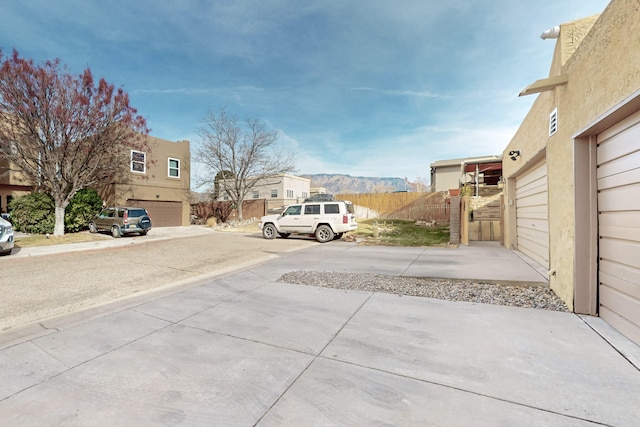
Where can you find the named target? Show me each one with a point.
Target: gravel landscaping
(512, 293)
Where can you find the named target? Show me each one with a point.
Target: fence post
(454, 221)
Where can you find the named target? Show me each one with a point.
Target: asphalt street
(40, 283)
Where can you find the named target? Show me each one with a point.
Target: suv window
(293, 210)
(312, 209)
(135, 213)
(331, 208)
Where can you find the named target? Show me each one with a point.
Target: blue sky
(362, 87)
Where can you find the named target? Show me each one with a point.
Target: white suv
(324, 220)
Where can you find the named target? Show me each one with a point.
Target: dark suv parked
(122, 220)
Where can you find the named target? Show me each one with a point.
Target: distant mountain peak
(347, 184)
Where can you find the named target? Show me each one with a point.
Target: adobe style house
(158, 180)
(572, 169)
(278, 190)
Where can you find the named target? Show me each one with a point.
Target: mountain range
(347, 184)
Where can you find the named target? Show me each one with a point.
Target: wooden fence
(225, 211)
(408, 206)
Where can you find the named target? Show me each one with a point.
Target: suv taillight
(345, 219)
(126, 217)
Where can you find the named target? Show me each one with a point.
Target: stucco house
(573, 168)
(279, 190)
(158, 180)
(453, 173)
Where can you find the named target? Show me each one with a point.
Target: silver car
(6, 237)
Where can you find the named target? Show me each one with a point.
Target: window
(256, 194)
(304, 195)
(274, 193)
(226, 196)
(553, 122)
(174, 168)
(332, 208)
(293, 210)
(289, 194)
(138, 161)
(312, 209)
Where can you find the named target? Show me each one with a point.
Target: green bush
(84, 206)
(33, 213)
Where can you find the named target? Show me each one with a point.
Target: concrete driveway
(240, 349)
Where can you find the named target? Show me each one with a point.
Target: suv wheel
(269, 231)
(324, 234)
(115, 231)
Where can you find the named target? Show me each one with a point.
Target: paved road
(60, 282)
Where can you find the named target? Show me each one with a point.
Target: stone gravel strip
(517, 294)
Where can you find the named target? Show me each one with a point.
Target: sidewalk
(160, 233)
(244, 350)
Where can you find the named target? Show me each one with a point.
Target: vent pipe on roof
(551, 33)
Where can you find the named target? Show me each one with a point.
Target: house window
(289, 194)
(226, 196)
(274, 193)
(553, 122)
(304, 195)
(256, 194)
(174, 168)
(138, 161)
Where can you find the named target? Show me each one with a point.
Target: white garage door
(532, 214)
(618, 176)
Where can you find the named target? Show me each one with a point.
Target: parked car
(122, 220)
(6, 237)
(324, 220)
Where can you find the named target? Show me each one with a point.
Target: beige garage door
(618, 176)
(532, 214)
(163, 214)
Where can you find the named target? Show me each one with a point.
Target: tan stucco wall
(604, 69)
(156, 184)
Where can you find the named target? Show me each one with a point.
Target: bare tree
(244, 153)
(61, 131)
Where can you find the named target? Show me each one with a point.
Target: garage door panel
(622, 144)
(620, 225)
(162, 213)
(618, 166)
(537, 225)
(620, 199)
(534, 212)
(620, 285)
(532, 235)
(539, 199)
(622, 251)
(536, 177)
(531, 248)
(625, 178)
(618, 183)
(624, 326)
(625, 305)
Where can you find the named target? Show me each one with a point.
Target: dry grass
(32, 240)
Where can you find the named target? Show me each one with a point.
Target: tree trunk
(58, 229)
(239, 210)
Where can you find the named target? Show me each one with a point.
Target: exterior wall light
(514, 154)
